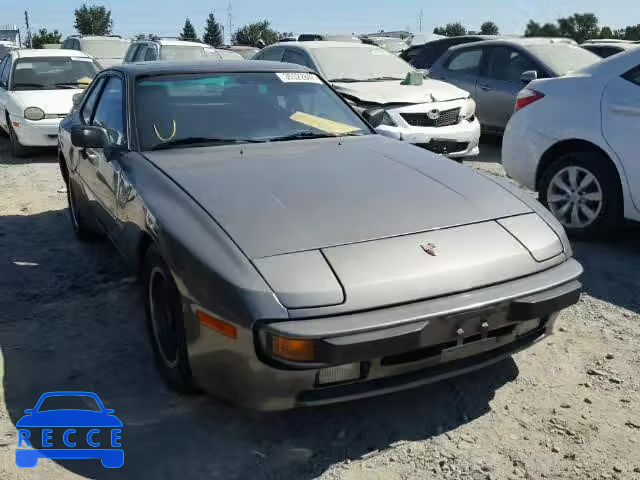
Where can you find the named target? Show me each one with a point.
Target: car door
(620, 121)
(461, 68)
(5, 68)
(499, 84)
(99, 168)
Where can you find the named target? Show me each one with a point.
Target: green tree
(534, 29)
(40, 39)
(254, 34)
(188, 31)
(93, 20)
(451, 30)
(606, 32)
(631, 33)
(213, 32)
(580, 27)
(489, 28)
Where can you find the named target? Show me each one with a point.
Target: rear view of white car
(36, 92)
(574, 140)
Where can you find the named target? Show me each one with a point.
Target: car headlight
(33, 113)
(468, 109)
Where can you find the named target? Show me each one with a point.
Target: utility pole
(420, 17)
(230, 25)
(26, 20)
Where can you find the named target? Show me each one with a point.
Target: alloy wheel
(575, 197)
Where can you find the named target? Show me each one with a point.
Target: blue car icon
(88, 427)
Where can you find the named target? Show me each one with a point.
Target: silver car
(291, 256)
(494, 71)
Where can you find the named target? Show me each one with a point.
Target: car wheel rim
(163, 317)
(575, 197)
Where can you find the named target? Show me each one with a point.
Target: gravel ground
(71, 318)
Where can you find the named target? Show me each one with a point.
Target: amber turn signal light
(216, 324)
(294, 349)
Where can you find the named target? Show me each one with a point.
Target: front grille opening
(435, 350)
(444, 146)
(446, 119)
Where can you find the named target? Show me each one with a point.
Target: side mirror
(89, 136)
(374, 116)
(529, 76)
(29, 411)
(76, 99)
(109, 411)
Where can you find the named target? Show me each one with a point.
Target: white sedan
(36, 92)
(574, 140)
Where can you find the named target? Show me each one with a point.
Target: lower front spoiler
(436, 373)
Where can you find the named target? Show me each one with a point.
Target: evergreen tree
(188, 31)
(213, 32)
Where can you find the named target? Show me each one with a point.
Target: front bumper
(43, 133)
(421, 343)
(455, 141)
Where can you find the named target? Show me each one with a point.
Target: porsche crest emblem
(429, 248)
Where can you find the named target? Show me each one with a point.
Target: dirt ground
(71, 319)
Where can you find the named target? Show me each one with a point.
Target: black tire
(165, 324)
(81, 228)
(17, 149)
(607, 184)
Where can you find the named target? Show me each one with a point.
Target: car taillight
(526, 97)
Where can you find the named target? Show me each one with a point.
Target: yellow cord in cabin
(170, 137)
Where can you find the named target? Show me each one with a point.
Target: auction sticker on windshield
(324, 124)
(293, 77)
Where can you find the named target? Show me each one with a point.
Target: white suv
(573, 139)
(169, 49)
(107, 51)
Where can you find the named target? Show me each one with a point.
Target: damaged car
(290, 256)
(396, 99)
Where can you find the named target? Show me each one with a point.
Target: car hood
(55, 102)
(394, 92)
(285, 197)
(106, 62)
(69, 418)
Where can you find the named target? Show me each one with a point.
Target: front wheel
(582, 190)
(17, 149)
(165, 323)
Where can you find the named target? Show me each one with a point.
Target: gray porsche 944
(290, 256)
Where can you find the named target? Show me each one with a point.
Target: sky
(324, 16)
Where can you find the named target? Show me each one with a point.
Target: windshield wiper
(194, 141)
(381, 79)
(37, 85)
(68, 84)
(309, 134)
(345, 80)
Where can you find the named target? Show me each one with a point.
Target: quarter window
(109, 112)
(467, 62)
(633, 75)
(89, 105)
(5, 67)
(150, 55)
(274, 54)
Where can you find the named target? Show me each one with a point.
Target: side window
(131, 52)
(6, 71)
(508, 65)
(89, 105)
(3, 64)
(292, 56)
(151, 54)
(633, 75)
(274, 54)
(467, 61)
(109, 112)
(65, 44)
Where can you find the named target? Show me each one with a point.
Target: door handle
(485, 87)
(89, 156)
(625, 109)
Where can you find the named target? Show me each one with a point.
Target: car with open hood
(402, 103)
(37, 88)
(291, 256)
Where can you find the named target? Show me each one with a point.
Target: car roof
(177, 42)
(49, 52)
(106, 37)
(522, 41)
(316, 45)
(624, 46)
(139, 69)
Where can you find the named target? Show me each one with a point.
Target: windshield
(69, 402)
(212, 109)
(360, 63)
(188, 52)
(563, 58)
(105, 48)
(46, 73)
